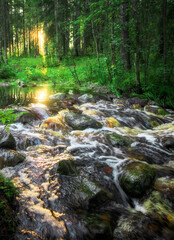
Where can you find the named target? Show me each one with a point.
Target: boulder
(58, 97)
(165, 186)
(89, 195)
(156, 110)
(10, 158)
(80, 122)
(39, 112)
(67, 168)
(117, 140)
(168, 142)
(25, 116)
(137, 178)
(136, 101)
(7, 140)
(86, 98)
(159, 208)
(138, 226)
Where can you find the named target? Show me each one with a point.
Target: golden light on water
(42, 95)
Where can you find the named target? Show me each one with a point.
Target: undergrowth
(8, 207)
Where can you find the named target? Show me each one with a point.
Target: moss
(137, 178)
(67, 168)
(162, 112)
(118, 140)
(84, 188)
(160, 209)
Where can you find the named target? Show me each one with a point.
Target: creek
(93, 169)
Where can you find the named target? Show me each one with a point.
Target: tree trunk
(24, 28)
(164, 8)
(56, 4)
(5, 31)
(137, 43)
(124, 48)
(1, 56)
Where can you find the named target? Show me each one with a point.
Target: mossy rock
(10, 158)
(138, 226)
(89, 195)
(137, 178)
(168, 142)
(99, 226)
(165, 186)
(25, 117)
(118, 140)
(67, 168)
(8, 208)
(162, 112)
(7, 140)
(160, 209)
(153, 123)
(80, 122)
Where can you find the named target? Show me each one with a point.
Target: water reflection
(23, 96)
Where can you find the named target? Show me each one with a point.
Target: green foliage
(7, 72)
(8, 117)
(8, 194)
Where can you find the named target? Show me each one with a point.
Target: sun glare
(41, 42)
(42, 95)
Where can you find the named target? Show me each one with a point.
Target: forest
(126, 45)
(86, 119)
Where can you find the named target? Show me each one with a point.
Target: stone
(137, 178)
(160, 209)
(99, 226)
(137, 101)
(117, 140)
(10, 158)
(25, 117)
(168, 142)
(86, 98)
(155, 110)
(89, 195)
(80, 122)
(7, 140)
(58, 96)
(67, 168)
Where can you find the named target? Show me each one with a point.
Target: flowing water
(53, 206)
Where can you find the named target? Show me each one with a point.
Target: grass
(80, 73)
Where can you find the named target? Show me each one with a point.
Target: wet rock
(25, 117)
(86, 98)
(117, 140)
(137, 177)
(10, 158)
(160, 209)
(7, 140)
(168, 142)
(89, 195)
(166, 187)
(140, 227)
(67, 168)
(112, 122)
(58, 97)
(99, 226)
(137, 101)
(39, 112)
(136, 106)
(80, 122)
(155, 110)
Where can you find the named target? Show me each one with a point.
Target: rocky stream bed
(88, 168)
